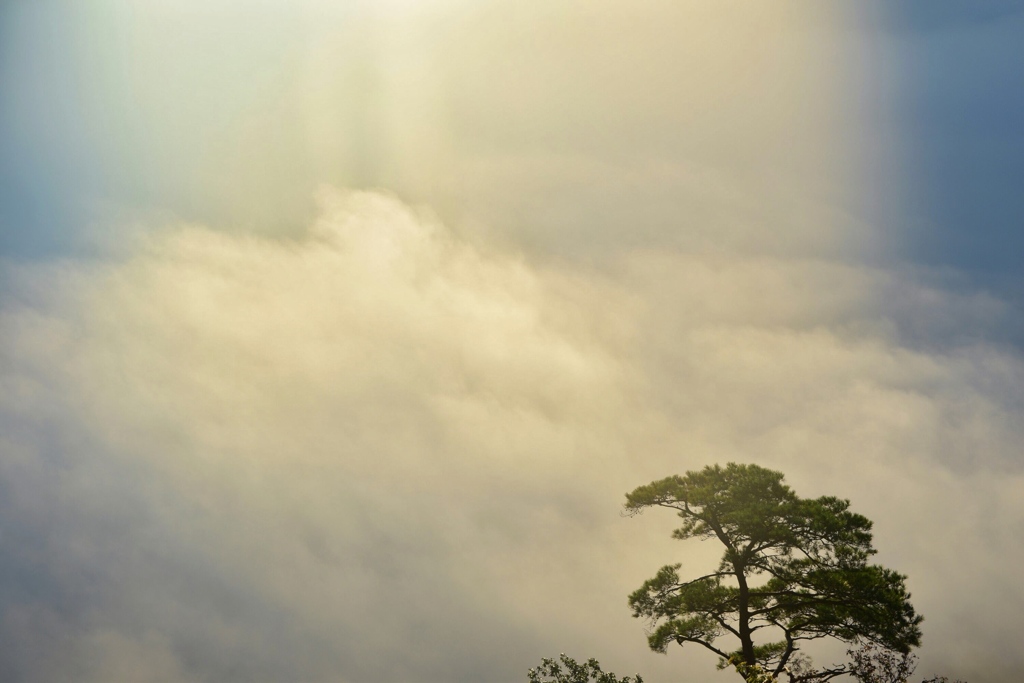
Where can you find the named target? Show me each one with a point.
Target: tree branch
(681, 640)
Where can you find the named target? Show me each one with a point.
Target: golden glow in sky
(342, 329)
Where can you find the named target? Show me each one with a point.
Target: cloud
(359, 441)
(292, 460)
(384, 452)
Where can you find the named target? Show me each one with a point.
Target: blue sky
(960, 103)
(76, 140)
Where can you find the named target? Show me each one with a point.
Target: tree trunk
(746, 641)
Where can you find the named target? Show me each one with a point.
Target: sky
(332, 334)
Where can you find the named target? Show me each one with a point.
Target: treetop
(793, 570)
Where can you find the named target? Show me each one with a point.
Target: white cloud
(382, 452)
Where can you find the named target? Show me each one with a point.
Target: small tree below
(568, 670)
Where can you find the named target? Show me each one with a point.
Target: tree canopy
(792, 570)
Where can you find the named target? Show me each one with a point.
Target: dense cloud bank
(246, 435)
(384, 452)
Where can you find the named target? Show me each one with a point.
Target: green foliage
(792, 570)
(751, 673)
(568, 670)
(873, 664)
